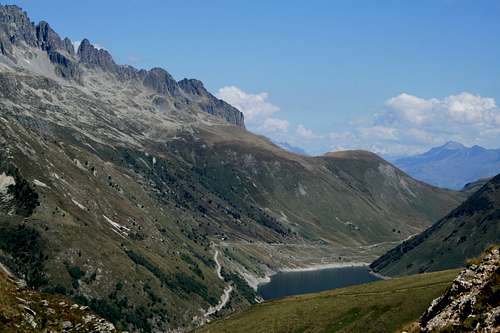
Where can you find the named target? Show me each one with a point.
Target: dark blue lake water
(295, 283)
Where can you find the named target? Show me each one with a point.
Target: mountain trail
(226, 295)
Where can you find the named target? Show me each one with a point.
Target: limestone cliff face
(471, 304)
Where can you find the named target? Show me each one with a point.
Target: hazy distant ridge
(452, 165)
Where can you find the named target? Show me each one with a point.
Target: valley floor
(382, 306)
(257, 261)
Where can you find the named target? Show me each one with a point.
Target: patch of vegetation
(179, 281)
(117, 310)
(23, 244)
(240, 284)
(76, 274)
(26, 198)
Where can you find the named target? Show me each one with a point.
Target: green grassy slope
(382, 306)
(461, 235)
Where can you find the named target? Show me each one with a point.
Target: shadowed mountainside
(464, 233)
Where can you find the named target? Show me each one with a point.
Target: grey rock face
(193, 87)
(90, 55)
(68, 46)
(64, 66)
(211, 104)
(466, 302)
(48, 38)
(15, 27)
(161, 82)
(16, 30)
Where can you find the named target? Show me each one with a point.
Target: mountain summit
(452, 165)
(452, 145)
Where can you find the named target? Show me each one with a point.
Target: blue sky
(395, 77)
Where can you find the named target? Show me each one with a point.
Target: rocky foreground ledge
(25, 310)
(472, 303)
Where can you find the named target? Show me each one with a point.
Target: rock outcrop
(471, 304)
(209, 103)
(93, 56)
(25, 310)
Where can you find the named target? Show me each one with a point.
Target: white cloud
(255, 107)
(341, 136)
(306, 133)
(271, 125)
(469, 108)
(411, 108)
(379, 133)
(462, 108)
(407, 124)
(419, 123)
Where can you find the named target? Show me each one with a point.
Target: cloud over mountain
(405, 124)
(258, 110)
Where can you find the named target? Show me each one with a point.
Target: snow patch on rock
(117, 227)
(5, 182)
(79, 205)
(40, 184)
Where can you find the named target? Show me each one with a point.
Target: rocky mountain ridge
(16, 30)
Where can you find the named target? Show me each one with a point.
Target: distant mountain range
(452, 165)
(290, 148)
(463, 234)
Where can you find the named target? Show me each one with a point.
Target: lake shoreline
(255, 281)
(315, 278)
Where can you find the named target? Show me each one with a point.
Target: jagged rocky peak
(91, 55)
(16, 30)
(15, 27)
(211, 104)
(50, 40)
(161, 81)
(193, 87)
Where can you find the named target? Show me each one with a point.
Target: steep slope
(473, 187)
(118, 186)
(464, 233)
(452, 165)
